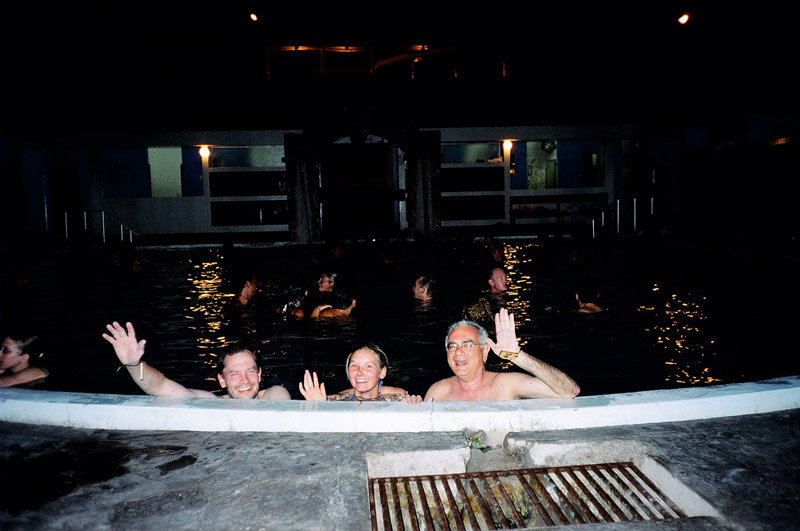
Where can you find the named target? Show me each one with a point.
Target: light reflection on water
(667, 325)
(678, 329)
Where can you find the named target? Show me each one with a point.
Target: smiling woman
(366, 368)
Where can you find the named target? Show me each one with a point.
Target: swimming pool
(675, 316)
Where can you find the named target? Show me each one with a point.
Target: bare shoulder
(276, 392)
(440, 390)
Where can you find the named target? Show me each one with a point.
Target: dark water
(676, 317)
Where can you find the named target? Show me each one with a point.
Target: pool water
(675, 317)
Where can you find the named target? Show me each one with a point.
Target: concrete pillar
(423, 155)
(303, 195)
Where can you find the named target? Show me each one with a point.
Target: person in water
(423, 288)
(498, 281)
(293, 306)
(341, 305)
(587, 295)
(237, 370)
(467, 344)
(366, 368)
(16, 361)
(249, 287)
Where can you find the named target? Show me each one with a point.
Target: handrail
(103, 215)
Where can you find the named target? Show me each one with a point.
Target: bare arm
(27, 375)
(150, 379)
(549, 382)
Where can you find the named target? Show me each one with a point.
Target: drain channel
(511, 499)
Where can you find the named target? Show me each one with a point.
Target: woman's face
(11, 355)
(325, 283)
(365, 373)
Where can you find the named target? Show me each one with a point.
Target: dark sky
(202, 65)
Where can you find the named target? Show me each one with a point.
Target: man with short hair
(238, 370)
(498, 281)
(468, 347)
(423, 288)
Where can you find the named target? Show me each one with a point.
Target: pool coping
(125, 412)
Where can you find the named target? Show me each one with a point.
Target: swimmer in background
(423, 288)
(249, 287)
(16, 367)
(498, 281)
(467, 344)
(341, 306)
(293, 307)
(587, 295)
(237, 370)
(366, 368)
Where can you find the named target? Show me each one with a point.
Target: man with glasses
(468, 347)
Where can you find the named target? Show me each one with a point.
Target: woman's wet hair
(26, 342)
(383, 360)
(483, 335)
(230, 350)
(331, 276)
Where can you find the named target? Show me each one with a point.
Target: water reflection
(680, 329)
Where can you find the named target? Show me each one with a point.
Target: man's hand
(312, 390)
(124, 342)
(506, 333)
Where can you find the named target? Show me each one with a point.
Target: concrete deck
(739, 471)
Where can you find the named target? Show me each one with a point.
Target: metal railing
(105, 218)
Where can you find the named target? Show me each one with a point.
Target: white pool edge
(122, 412)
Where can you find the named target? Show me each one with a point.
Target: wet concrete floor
(747, 468)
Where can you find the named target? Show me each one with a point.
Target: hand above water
(506, 333)
(128, 350)
(312, 390)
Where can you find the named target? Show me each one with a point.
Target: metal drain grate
(511, 499)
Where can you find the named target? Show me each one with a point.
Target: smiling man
(468, 347)
(237, 370)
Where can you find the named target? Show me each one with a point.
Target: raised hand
(311, 389)
(128, 350)
(505, 331)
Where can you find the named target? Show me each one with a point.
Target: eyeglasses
(465, 345)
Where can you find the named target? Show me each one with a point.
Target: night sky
(202, 65)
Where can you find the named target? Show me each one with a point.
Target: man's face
(468, 357)
(325, 283)
(498, 282)
(241, 375)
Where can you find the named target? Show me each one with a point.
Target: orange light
(507, 144)
(253, 17)
(204, 152)
(683, 18)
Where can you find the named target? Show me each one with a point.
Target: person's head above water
(326, 281)
(238, 371)
(423, 287)
(498, 280)
(366, 368)
(467, 344)
(18, 351)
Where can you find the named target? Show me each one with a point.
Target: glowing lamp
(205, 152)
(683, 18)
